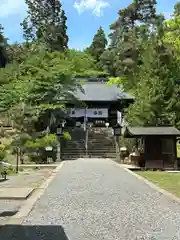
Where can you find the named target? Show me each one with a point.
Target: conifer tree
(98, 45)
(46, 22)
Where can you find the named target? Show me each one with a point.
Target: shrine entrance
(91, 121)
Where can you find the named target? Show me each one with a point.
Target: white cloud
(11, 7)
(96, 6)
(168, 15)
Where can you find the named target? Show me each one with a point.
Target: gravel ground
(94, 199)
(27, 178)
(8, 209)
(31, 178)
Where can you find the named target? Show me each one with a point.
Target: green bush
(2, 152)
(41, 143)
(10, 170)
(67, 136)
(36, 158)
(127, 142)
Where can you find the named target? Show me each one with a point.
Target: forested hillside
(141, 53)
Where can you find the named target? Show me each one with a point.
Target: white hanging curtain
(89, 113)
(97, 113)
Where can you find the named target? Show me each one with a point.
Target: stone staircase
(100, 144)
(74, 148)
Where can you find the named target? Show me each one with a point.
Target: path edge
(152, 185)
(27, 207)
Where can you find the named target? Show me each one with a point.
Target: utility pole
(17, 159)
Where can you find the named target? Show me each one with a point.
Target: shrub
(2, 152)
(67, 136)
(36, 148)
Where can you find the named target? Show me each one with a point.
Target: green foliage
(67, 136)
(43, 79)
(172, 32)
(2, 152)
(129, 143)
(126, 39)
(18, 52)
(107, 61)
(3, 53)
(46, 22)
(143, 58)
(19, 141)
(120, 81)
(47, 140)
(177, 9)
(145, 52)
(155, 89)
(35, 82)
(98, 46)
(35, 148)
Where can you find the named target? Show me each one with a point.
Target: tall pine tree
(128, 33)
(46, 22)
(98, 45)
(177, 9)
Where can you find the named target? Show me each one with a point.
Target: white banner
(89, 112)
(119, 117)
(77, 113)
(97, 112)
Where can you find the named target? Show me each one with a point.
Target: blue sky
(84, 17)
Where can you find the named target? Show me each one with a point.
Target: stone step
(101, 137)
(101, 143)
(89, 143)
(99, 151)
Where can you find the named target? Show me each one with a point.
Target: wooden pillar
(175, 154)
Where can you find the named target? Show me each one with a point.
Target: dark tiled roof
(149, 131)
(99, 91)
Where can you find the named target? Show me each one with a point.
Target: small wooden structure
(157, 144)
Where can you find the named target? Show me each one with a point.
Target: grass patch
(165, 180)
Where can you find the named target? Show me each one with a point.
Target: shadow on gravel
(8, 213)
(3, 180)
(38, 232)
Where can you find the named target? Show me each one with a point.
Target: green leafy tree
(107, 62)
(157, 86)
(42, 81)
(172, 32)
(46, 22)
(3, 54)
(17, 52)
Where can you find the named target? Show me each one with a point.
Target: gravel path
(28, 178)
(97, 200)
(9, 208)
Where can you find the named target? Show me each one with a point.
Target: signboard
(89, 112)
(119, 117)
(117, 130)
(97, 112)
(77, 112)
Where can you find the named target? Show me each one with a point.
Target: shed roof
(99, 91)
(150, 131)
